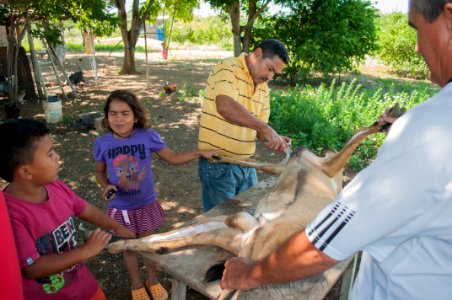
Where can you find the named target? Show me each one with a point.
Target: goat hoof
(116, 247)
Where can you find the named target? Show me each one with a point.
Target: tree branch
(254, 13)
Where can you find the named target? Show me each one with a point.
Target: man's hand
(385, 118)
(237, 274)
(273, 140)
(288, 145)
(389, 116)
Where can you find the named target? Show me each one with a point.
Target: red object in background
(10, 276)
(164, 52)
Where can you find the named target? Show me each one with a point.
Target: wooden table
(188, 266)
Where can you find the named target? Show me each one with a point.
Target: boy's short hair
(17, 146)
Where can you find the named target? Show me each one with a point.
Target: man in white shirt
(398, 211)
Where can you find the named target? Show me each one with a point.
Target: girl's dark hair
(18, 144)
(138, 110)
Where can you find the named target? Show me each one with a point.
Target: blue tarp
(160, 35)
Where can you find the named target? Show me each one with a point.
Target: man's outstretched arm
(296, 259)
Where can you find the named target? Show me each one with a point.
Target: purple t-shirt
(47, 228)
(129, 166)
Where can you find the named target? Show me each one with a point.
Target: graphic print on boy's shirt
(61, 239)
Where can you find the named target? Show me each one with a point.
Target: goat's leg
(270, 168)
(242, 221)
(333, 164)
(209, 232)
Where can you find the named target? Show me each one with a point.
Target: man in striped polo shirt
(235, 113)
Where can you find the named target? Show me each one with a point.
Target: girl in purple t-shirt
(123, 169)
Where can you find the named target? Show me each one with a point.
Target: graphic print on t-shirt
(126, 169)
(61, 239)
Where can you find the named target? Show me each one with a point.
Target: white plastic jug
(53, 109)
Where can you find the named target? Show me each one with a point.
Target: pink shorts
(147, 218)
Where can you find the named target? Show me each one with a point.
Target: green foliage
(75, 47)
(203, 31)
(46, 16)
(397, 46)
(96, 15)
(68, 119)
(326, 117)
(187, 90)
(4, 13)
(327, 36)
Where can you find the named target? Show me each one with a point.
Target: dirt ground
(175, 117)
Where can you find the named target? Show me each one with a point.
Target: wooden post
(146, 51)
(178, 290)
(348, 278)
(93, 57)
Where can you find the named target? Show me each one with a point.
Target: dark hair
(271, 48)
(128, 97)
(18, 144)
(430, 9)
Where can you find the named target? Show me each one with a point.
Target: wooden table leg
(178, 290)
(348, 278)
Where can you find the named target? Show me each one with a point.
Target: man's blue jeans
(221, 181)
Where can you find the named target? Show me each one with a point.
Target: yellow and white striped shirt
(231, 78)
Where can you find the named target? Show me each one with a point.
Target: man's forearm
(235, 113)
(296, 259)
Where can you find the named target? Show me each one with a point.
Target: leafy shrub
(326, 117)
(397, 46)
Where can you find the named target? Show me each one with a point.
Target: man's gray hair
(430, 9)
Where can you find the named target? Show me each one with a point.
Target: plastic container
(53, 109)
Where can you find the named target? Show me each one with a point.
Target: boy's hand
(96, 242)
(207, 154)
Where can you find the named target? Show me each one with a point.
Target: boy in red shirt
(42, 211)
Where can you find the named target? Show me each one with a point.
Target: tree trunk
(128, 66)
(89, 41)
(246, 41)
(253, 13)
(234, 13)
(130, 37)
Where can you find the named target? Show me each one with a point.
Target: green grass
(118, 47)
